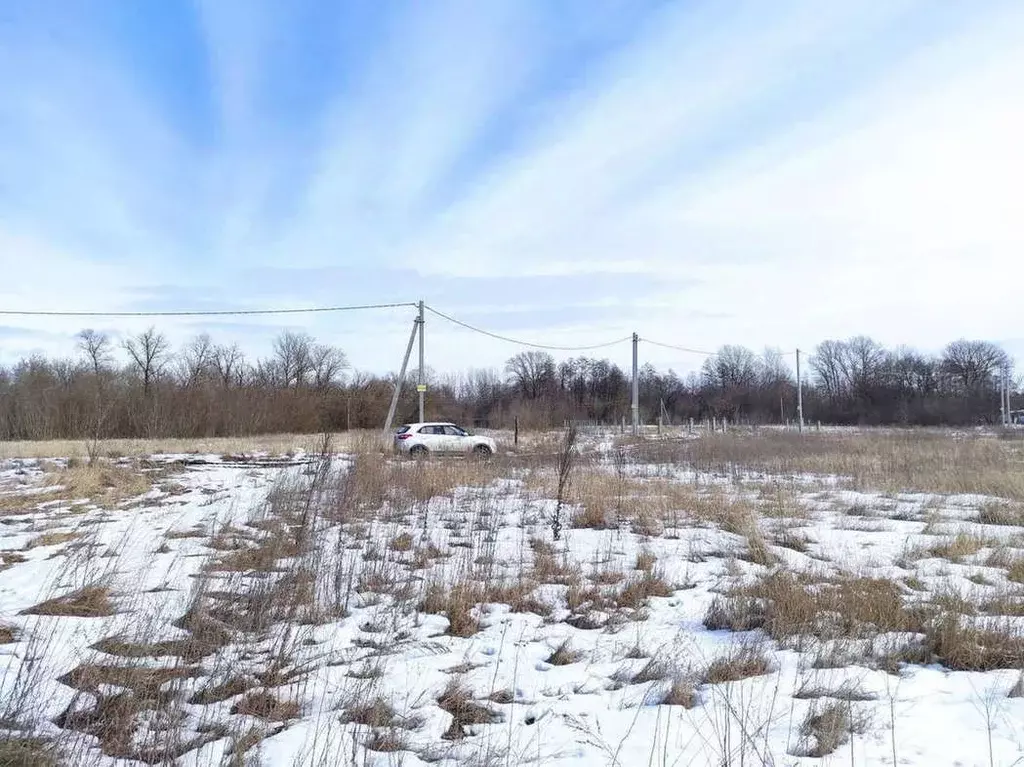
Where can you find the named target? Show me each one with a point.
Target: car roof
(430, 423)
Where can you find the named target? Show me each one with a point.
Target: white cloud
(888, 209)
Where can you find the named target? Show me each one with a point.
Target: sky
(565, 172)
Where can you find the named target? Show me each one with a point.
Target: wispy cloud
(701, 172)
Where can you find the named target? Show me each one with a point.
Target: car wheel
(418, 451)
(482, 451)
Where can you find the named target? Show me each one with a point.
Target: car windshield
(402, 429)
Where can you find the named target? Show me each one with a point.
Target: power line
(677, 348)
(205, 313)
(520, 342)
(695, 351)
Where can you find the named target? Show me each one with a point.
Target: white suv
(421, 439)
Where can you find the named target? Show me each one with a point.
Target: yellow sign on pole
(421, 387)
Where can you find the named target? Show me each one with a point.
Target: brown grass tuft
(87, 602)
(741, 663)
(102, 483)
(265, 705)
(961, 546)
(51, 539)
(638, 589)
(681, 692)
(401, 542)
(10, 558)
(27, 752)
(827, 727)
(219, 693)
(376, 712)
(457, 700)
(961, 645)
(1002, 513)
(564, 655)
(788, 610)
(456, 602)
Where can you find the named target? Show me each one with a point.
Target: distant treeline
(142, 387)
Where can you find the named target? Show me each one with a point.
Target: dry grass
(1002, 513)
(27, 752)
(637, 589)
(788, 610)
(273, 444)
(564, 655)
(229, 688)
(457, 700)
(887, 461)
(826, 727)
(743, 662)
(102, 482)
(266, 705)
(51, 539)
(188, 650)
(960, 547)
(848, 691)
(7, 634)
(10, 558)
(456, 602)
(963, 645)
(141, 680)
(118, 719)
(87, 602)
(375, 712)
(681, 692)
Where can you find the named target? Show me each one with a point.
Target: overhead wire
(676, 348)
(348, 308)
(520, 342)
(688, 350)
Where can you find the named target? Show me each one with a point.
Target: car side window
(432, 430)
(454, 431)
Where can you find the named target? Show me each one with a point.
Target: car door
(456, 440)
(433, 438)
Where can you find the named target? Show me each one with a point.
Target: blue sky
(566, 171)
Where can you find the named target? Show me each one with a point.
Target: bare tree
(97, 348)
(197, 360)
(973, 365)
(294, 357)
(327, 364)
(148, 353)
(532, 372)
(229, 363)
(827, 362)
(732, 367)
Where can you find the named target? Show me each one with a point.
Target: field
(750, 598)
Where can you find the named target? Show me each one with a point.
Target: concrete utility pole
(1004, 399)
(636, 387)
(799, 394)
(421, 385)
(401, 378)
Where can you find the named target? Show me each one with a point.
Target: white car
(441, 437)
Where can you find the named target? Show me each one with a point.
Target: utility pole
(421, 386)
(1004, 399)
(636, 387)
(799, 394)
(401, 378)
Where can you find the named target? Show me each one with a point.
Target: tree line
(142, 387)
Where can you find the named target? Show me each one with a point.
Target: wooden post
(515, 437)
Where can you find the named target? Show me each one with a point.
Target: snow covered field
(324, 609)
